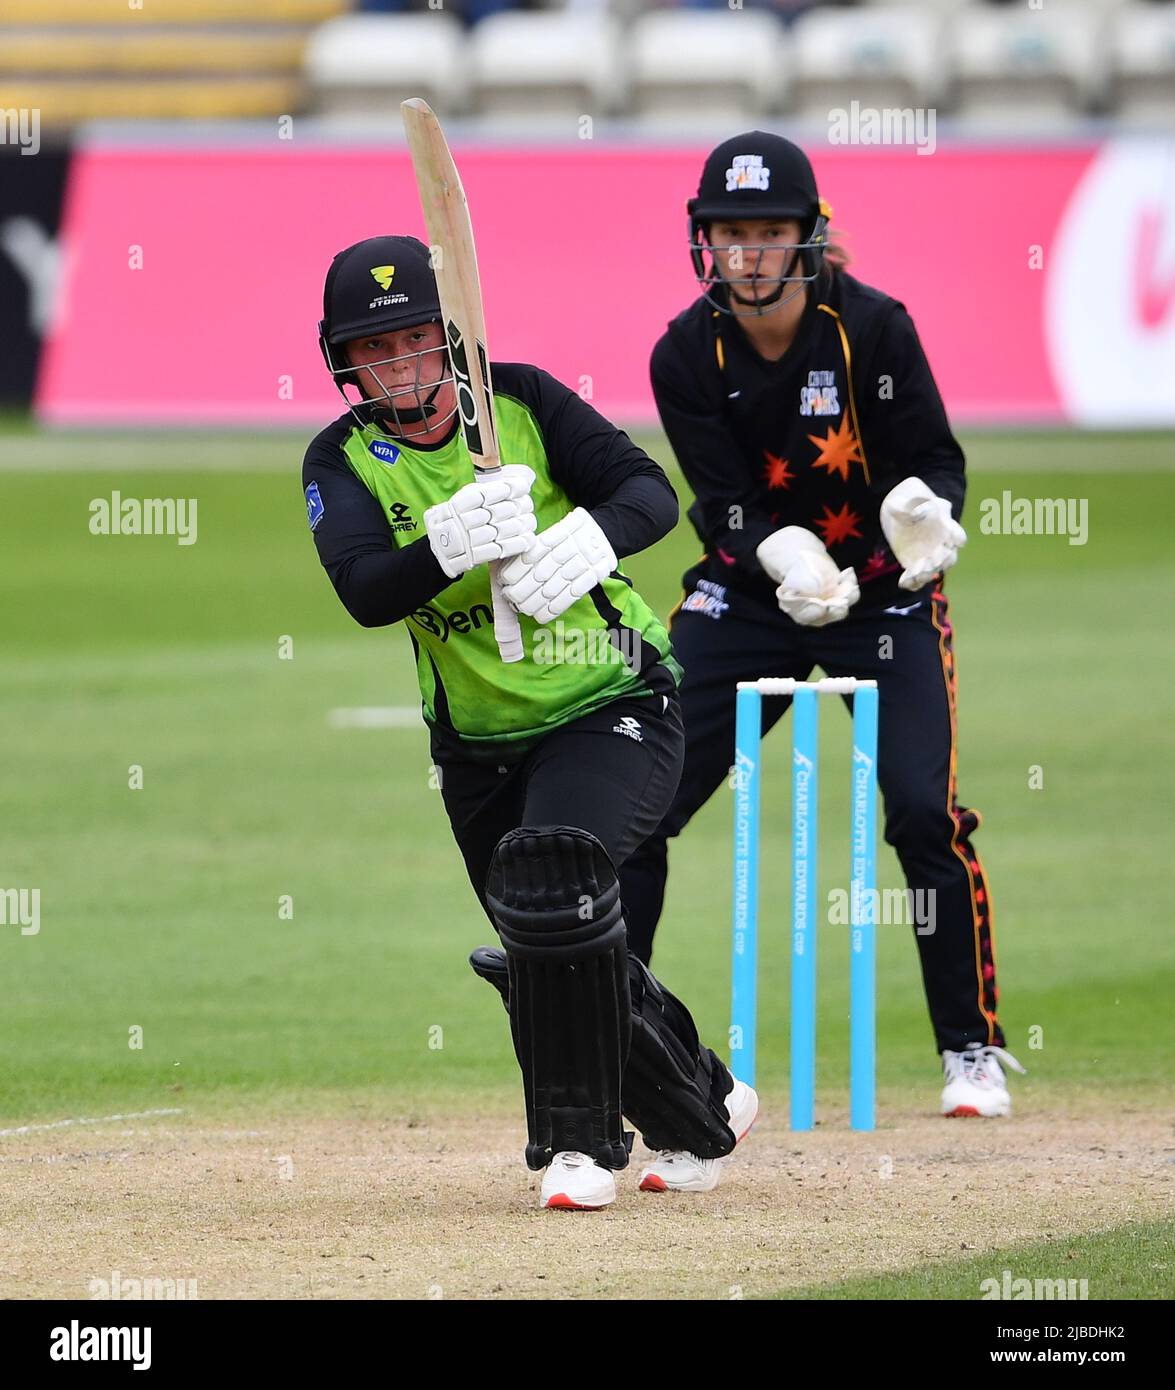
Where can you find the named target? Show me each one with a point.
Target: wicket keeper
(829, 487)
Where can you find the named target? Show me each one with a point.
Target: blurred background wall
(176, 174)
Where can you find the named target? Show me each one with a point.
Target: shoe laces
(980, 1065)
(571, 1158)
(681, 1156)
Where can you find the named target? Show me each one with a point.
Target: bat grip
(507, 630)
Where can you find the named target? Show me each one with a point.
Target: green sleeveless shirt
(609, 645)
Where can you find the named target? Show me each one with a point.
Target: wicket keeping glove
(487, 520)
(563, 563)
(812, 591)
(921, 532)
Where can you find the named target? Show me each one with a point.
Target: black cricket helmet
(758, 175)
(377, 286)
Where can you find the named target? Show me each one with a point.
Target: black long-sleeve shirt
(595, 463)
(815, 439)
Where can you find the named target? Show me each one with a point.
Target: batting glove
(488, 520)
(563, 563)
(812, 591)
(921, 532)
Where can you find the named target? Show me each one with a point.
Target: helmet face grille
(406, 408)
(803, 261)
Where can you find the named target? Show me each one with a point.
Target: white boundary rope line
(90, 1120)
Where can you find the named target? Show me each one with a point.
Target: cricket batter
(829, 488)
(555, 768)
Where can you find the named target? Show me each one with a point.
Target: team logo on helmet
(747, 171)
(382, 275)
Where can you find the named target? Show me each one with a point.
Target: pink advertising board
(1041, 279)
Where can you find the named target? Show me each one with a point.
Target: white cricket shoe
(976, 1084)
(576, 1182)
(678, 1171)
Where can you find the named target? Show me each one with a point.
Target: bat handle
(507, 630)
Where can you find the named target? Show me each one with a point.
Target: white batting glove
(812, 591)
(563, 563)
(487, 520)
(921, 532)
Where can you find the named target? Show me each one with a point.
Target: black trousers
(614, 773)
(911, 655)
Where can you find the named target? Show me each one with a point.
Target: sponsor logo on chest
(444, 625)
(820, 395)
(384, 451)
(708, 598)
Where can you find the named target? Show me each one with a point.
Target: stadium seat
(1142, 59)
(878, 57)
(1044, 65)
(361, 67)
(718, 67)
(562, 65)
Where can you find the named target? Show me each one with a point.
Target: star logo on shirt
(879, 563)
(838, 526)
(777, 471)
(839, 449)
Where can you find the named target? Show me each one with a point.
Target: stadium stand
(1142, 65)
(557, 64)
(77, 60)
(686, 65)
(878, 57)
(976, 62)
(360, 67)
(1010, 68)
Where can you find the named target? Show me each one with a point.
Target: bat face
(477, 417)
(446, 216)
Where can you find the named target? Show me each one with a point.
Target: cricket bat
(450, 236)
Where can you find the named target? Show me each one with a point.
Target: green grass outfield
(1132, 1261)
(159, 907)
